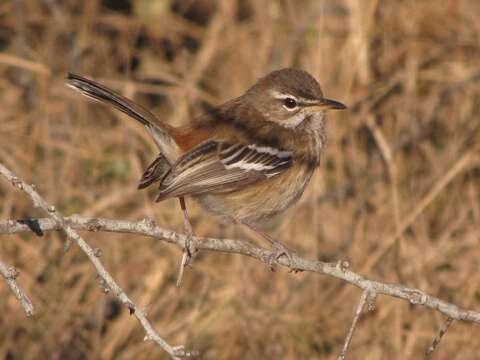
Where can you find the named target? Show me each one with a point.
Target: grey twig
(10, 275)
(348, 339)
(60, 223)
(438, 338)
(340, 270)
(147, 227)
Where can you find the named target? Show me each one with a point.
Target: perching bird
(246, 161)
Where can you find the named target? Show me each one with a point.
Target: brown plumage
(247, 160)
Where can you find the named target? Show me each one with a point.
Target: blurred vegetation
(394, 194)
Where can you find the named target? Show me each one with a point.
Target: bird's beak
(327, 104)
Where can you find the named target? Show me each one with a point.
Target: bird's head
(289, 97)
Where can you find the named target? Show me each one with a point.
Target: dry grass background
(394, 195)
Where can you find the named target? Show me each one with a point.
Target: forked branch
(61, 224)
(340, 270)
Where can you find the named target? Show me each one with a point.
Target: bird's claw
(280, 250)
(190, 250)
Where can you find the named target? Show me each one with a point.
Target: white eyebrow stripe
(278, 95)
(281, 96)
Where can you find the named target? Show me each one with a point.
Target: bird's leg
(188, 249)
(280, 249)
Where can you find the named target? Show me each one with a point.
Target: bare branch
(60, 223)
(358, 311)
(438, 338)
(147, 227)
(10, 275)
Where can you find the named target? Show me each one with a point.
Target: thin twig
(187, 251)
(147, 227)
(438, 338)
(358, 311)
(61, 224)
(10, 274)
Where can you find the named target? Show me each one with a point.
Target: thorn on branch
(181, 352)
(131, 307)
(343, 265)
(12, 273)
(371, 301)
(17, 183)
(416, 297)
(94, 225)
(148, 223)
(103, 284)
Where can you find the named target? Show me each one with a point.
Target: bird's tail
(160, 131)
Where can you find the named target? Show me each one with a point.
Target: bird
(246, 160)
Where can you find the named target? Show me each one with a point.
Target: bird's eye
(290, 103)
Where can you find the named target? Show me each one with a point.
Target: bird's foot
(280, 250)
(189, 249)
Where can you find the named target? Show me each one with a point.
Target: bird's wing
(215, 166)
(155, 172)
